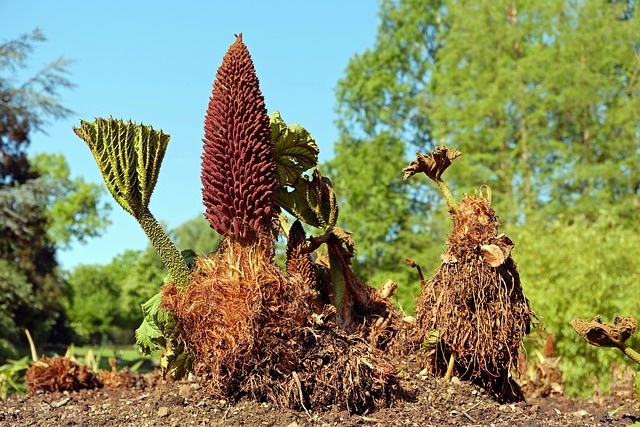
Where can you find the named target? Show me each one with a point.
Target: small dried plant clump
(472, 315)
(238, 169)
(343, 370)
(52, 374)
(476, 304)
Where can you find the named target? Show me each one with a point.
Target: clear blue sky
(154, 62)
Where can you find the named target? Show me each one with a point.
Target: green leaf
(295, 150)
(158, 331)
(312, 201)
(129, 156)
(176, 361)
(150, 335)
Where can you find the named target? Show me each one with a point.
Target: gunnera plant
(472, 315)
(250, 327)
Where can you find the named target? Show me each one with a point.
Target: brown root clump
(345, 371)
(362, 309)
(51, 374)
(250, 330)
(474, 308)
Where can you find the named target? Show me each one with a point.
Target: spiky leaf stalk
(238, 168)
(129, 156)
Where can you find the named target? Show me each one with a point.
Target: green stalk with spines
(165, 247)
(446, 193)
(629, 352)
(129, 157)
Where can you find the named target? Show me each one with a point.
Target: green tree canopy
(541, 98)
(93, 294)
(73, 207)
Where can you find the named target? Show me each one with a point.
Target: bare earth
(154, 402)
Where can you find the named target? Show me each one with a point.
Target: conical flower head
(238, 168)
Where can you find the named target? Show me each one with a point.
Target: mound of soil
(156, 402)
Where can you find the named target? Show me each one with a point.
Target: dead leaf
(432, 165)
(492, 255)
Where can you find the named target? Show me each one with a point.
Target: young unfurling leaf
(295, 151)
(312, 201)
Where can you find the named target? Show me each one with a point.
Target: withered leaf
(601, 334)
(493, 255)
(432, 165)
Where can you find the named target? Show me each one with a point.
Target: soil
(151, 401)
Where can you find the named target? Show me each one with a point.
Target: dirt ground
(150, 401)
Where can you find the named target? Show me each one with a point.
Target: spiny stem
(448, 196)
(337, 280)
(169, 254)
(631, 353)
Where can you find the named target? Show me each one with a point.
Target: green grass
(125, 355)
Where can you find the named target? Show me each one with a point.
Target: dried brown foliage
(541, 376)
(432, 165)
(360, 308)
(251, 331)
(343, 370)
(238, 169)
(476, 304)
(602, 334)
(120, 378)
(51, 374)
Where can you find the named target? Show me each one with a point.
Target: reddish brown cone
(238, 169)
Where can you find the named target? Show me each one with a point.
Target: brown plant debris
(251, 332)
(51, 374)
(601, 334)
(359, 308)
(238, 169)
(541, 376)
(120, 378)
(432, 165)
(474, 308)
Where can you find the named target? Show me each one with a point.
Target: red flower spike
(238, 169)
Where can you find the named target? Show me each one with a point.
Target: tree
(93, 309)
(27, 195)
(534, 95)
(24, 108)
(73, 208)
(381, 104)
(16, 298)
